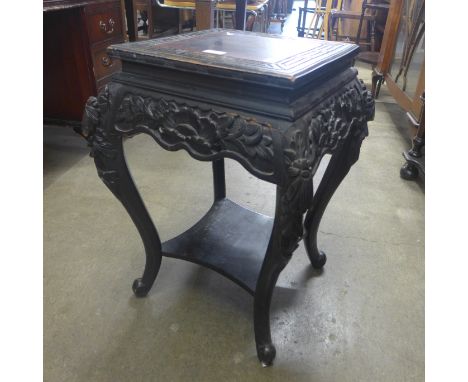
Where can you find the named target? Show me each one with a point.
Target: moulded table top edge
(279, 59)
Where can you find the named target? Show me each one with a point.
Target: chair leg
(361, 19)
(179, 19)
(334, 27)
(379, 84)
(249, 23)
(372, 35)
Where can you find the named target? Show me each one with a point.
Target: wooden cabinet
(76, 64)
(104, 21)
(401, 62)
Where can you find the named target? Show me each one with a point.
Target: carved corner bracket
(338, 119)
(102, 139)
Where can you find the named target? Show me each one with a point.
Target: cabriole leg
(339, 166)
(285, 236)
(114, 172)
(271, 269)
(107, 149)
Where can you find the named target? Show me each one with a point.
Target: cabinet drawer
(104, 22)
(104, 65)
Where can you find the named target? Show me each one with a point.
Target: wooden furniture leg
(414, 164)
(219, 181)
(205, 14)
(274, 263)
(377, 81)
(240, 16)
(339, 166)
(130, 16)
(107, 150)
(292, 199)
(361, 19)
(302, 19)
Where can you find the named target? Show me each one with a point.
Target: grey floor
(362, 319)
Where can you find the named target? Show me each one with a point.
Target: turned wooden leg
(219, 181)
(339, 166)
(372, 35)
(334, 27)
(379, 84)
(112, 169)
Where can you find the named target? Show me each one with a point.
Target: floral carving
(305, 145)
(207, 134)
(100, 139)
(204, 133)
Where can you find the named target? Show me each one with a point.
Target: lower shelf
(229, 239)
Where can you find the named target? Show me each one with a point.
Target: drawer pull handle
(106, 61)
(107, 28)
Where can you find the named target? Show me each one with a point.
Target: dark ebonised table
(276, 105)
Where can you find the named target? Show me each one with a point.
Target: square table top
(245, 56)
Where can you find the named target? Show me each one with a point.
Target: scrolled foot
(408, 171)
(266, 354)
(140, 288)
(319, 260)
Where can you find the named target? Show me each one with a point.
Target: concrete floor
(362, 319)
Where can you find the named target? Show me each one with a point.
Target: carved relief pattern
(101, 140)
(305, 145)
(204, 133)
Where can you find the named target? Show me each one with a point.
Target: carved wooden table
(276, 105)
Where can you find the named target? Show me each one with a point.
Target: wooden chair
(252, 9)
(279, 12)
(368, 13)
(184, 7)
(142, 19)
(319, 23)
(258, 9)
